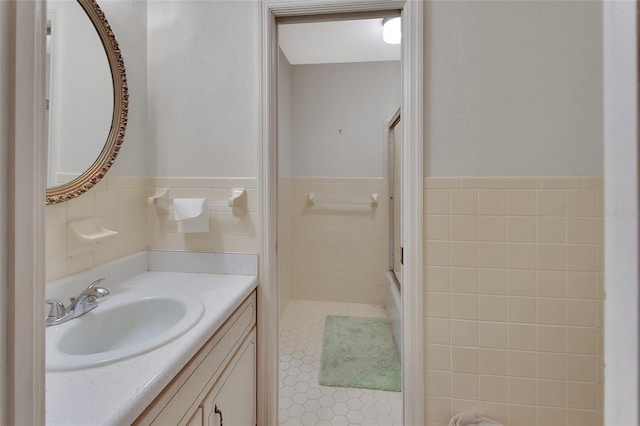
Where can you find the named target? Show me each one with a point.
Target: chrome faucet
(80, 305)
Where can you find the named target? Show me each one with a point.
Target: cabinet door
(198, 418)
(232, 402)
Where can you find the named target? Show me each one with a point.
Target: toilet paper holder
(237, 201)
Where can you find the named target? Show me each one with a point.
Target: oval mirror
(87, 98)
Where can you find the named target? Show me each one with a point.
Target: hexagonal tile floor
(302, 400)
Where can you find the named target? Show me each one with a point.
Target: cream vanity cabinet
(217, 387)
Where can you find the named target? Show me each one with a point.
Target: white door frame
(621, 224)
(413, 382)
(22, 197)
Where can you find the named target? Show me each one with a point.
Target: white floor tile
(302, 400)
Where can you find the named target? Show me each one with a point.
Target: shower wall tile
(514, 299)
(340, 251)
(284, 242)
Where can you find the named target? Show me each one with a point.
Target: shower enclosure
(393, 301)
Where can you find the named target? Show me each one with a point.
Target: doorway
(338, 84)
(412, 75)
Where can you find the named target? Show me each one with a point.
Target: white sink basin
(122, 326)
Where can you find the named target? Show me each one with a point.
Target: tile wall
(229, 230)
(284, 242)
(513, 275)
(339, 254)
(120, 205)
(514, 299)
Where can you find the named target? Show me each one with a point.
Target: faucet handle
(57, 309)
(96, 282)
(97, 291)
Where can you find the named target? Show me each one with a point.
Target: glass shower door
(395, 175)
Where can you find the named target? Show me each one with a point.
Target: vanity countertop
(118, 393)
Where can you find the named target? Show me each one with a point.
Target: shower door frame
(413, 378)
(391, 169)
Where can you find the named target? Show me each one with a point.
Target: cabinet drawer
(180, 399)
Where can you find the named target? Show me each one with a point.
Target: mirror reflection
(79, 92)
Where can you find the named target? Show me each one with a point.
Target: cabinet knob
(219, 412)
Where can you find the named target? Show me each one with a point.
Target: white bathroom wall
(204, 122)
(284, 115)
(513, 88)
(203, 62)
(332, 254)
(284, 182)
(339, 115)
(128, 20)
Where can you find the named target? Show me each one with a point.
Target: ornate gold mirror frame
(114, 141)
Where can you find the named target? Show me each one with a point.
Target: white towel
(192, 214)
(464, 419)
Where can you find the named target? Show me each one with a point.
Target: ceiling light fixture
(391, 30)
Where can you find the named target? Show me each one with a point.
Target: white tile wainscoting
(121, 204)
(514, 299)
(337, 254)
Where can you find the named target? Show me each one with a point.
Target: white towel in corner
(192, 214)
(464, 419)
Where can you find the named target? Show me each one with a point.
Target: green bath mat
(359, 353)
